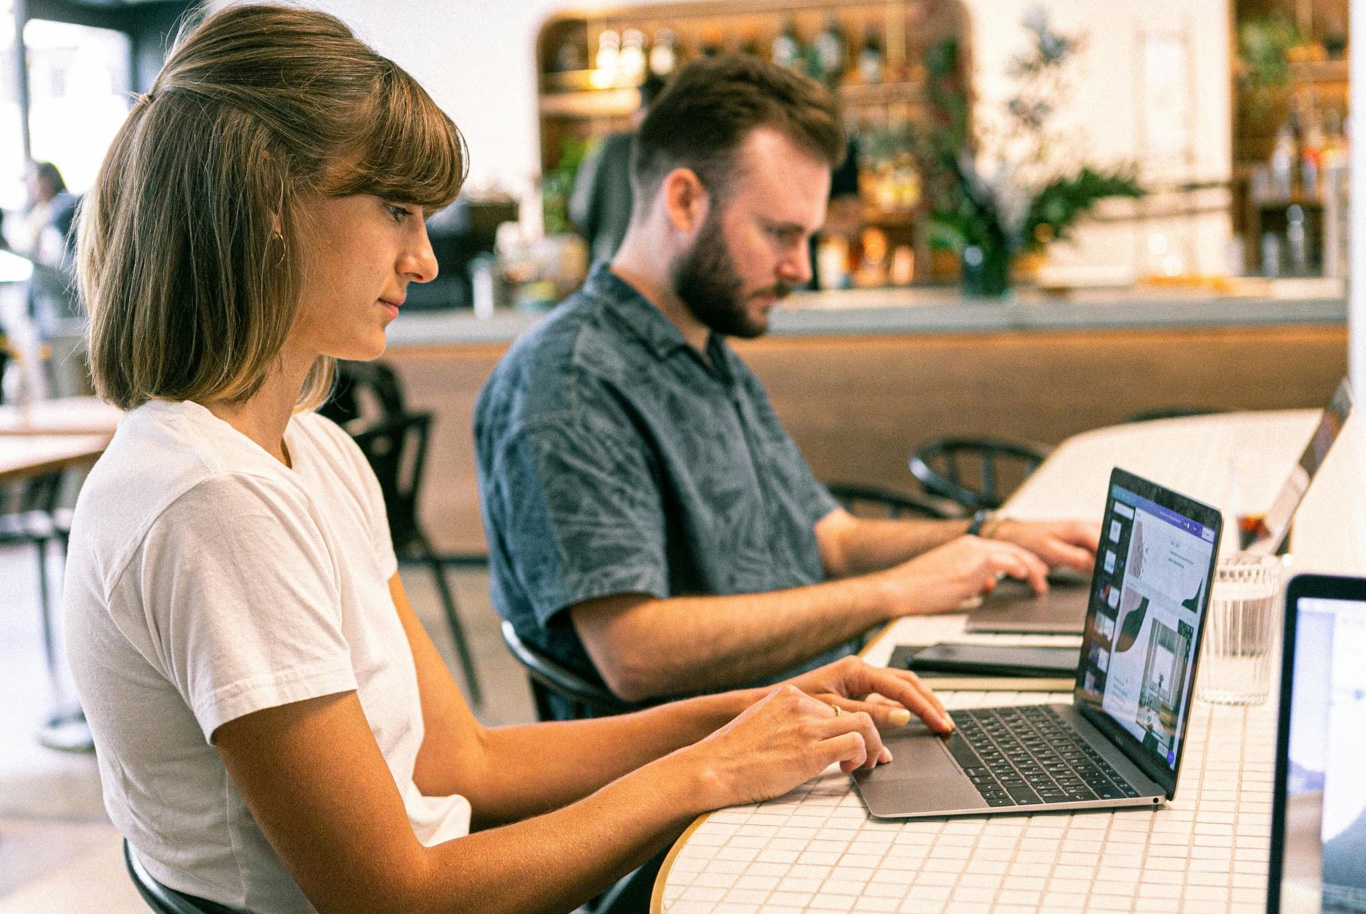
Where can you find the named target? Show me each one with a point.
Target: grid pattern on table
(816, 849)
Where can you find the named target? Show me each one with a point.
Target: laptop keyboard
(1028, 756)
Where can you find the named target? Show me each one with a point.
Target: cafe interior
(1068, 235)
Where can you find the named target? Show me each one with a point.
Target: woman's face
(358, 255)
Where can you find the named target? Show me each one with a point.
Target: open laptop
(1120, 741)
(1013, 607)
(1318, 819)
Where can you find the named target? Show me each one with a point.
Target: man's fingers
(1075, 557)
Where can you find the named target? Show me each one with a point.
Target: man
(649, 519)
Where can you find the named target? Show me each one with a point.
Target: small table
(816, 849)
(26, 456)
(61, 416)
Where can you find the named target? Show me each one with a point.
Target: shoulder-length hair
(189, 246)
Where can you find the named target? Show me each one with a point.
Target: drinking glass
(1235, 664)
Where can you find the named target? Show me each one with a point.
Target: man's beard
(704, 278)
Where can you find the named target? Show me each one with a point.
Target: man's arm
(646, 647)
(852, 545)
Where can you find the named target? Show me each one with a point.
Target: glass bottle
(786, 49)
(831, 52)
(870, 58)
(663, 57)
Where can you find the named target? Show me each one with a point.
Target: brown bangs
(413, 153)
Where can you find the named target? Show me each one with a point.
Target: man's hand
(1071, 544)
(942, 579)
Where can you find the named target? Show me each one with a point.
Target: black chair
(30, 518)
(396, 449)
(975, 473)
(548, 677)
(364, 390)
(164, 900)
(875, 502)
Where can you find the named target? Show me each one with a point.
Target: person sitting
(274, 729)
(651, 524)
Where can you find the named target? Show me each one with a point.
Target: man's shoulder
(548, 370)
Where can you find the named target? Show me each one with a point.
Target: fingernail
(899, 717)
(886, 755)
(947, 721)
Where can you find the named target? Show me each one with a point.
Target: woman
(275, 730)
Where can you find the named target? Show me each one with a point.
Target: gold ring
(837, 710)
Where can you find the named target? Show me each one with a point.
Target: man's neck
(646, 276)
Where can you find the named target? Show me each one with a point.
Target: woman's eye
(398, 212)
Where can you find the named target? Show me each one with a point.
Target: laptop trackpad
(916, 753)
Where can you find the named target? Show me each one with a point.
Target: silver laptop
(1318, 820)
(1013, 607)
(1120, 741)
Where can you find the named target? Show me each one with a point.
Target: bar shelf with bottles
(873, 54)
(1290, 143)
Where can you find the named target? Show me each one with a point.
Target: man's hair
(189, 244)
(50, 175)
(710, 108)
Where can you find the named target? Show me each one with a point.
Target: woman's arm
(569, 760)
(317, 785)
(316, 782)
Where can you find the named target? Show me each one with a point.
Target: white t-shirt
(207, 580)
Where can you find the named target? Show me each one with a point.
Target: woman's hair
(189, 241)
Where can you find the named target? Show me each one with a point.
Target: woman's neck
(264, 416)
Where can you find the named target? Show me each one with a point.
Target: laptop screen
(1148, 600)
(1265, 534)
(1318, 845)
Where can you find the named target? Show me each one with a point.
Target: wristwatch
(979, 519)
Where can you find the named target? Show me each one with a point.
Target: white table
(816, 849)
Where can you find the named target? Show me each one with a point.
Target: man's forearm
(853, 546)
(648, 648)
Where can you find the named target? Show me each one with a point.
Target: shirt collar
(639, 316)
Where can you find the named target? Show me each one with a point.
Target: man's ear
(686, 201)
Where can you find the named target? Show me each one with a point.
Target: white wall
(476, 57)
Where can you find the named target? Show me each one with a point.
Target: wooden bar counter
(860, 378)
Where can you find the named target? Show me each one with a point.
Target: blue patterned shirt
(614, 459)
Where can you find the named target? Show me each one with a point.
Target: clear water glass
(1235, 662)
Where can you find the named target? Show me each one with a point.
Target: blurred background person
(600, 206)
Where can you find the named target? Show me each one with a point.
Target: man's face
(751, 249)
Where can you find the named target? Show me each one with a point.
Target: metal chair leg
(462, 647)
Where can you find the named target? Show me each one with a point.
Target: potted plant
(1005, 189)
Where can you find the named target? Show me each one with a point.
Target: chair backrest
(975, 472)
(396, 449)
(875, 502)
(162, 899)
(587, 698)
(369, 391)
(1175, 412)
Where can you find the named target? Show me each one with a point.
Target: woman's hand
(783, 739)
(888, 696)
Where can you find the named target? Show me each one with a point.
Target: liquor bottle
(710, 45)
(831, 52)
(663, 57)
(870, 58)
(787, 46)
(631, 60)
(607, 60)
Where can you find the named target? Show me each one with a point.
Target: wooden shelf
(882, 94)
(591, 103)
